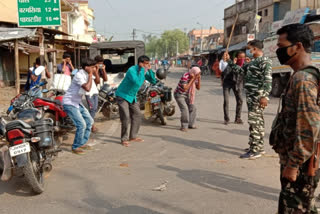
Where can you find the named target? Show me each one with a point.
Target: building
(78, 22)
(312, 4)
(212, 42)
(74, 36)
(197, 37)
(246, 20)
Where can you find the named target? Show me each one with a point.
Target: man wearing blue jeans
(81, 83)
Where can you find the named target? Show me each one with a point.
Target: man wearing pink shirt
(66, 66)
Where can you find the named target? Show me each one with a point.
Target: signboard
(276, 25)
(35, 13)
(297, 16)
(250, 37)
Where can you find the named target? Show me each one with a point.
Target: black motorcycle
(107, 103)
(31, 146)
(160, 102)
(158, 98)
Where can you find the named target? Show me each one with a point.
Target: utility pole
(201, 36)
(177, 47)
(166, 49)
(133, 34)
(177, 52)
(255, 20)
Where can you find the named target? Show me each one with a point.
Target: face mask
(240, 62)
(283, 56)
(248, 53)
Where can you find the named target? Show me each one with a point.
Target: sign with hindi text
(37, 13)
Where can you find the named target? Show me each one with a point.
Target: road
(201, 169)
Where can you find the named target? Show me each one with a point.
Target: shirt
(72, 96)
(67, 71)
(183, 81)
(94, 89)
(302, 118)
(257, 78)
(133, 81)
(223, 65)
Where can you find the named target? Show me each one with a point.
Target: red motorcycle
(51, 108)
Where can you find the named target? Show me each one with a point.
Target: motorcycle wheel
(162, 118)
(170, 110)
(33, 173)
(106, 111)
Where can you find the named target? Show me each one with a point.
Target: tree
(166, 46)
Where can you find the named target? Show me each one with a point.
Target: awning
(9, 34)
(54, 31)
(235, 47)
(205, 53)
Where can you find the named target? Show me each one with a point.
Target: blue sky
(118, 17)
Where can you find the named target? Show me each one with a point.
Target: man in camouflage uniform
(297, 140)
(258, 81)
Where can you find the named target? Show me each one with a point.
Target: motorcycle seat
(52, 101)
(17, 124)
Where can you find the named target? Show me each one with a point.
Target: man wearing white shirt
(93, 94)
(223, 65)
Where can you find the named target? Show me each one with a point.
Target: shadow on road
(198, 144)
(17, 187)
(96, 201)
(223, 182)
(132, 209)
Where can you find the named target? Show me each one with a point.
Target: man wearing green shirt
(127, 99)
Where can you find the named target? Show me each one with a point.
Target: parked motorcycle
(107, 103)
(159, 99)
(52, 108)
(142, 94)
(31, 146)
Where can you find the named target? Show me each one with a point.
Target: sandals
(192, 127)
(140, 140)
(125, 143)
(183, 129)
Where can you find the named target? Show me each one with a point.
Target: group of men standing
(296, 128)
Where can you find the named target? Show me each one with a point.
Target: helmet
(161, 74)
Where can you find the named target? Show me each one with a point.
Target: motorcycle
(142, 94)
(107, 103)
(52, 108)
(31, 147)
(159, 102)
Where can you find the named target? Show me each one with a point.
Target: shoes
(78, 151)
(238, 121)
(86, 147)
(262, 151)
(251, 155)
(226, 122)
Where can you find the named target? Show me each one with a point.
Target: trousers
(238, 95)
(129, 112)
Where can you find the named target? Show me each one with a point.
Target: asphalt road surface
(201, 170)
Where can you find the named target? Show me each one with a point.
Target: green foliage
(158, 47)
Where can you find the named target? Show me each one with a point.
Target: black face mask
(283, 56)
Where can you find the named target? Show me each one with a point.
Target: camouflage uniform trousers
(298, 197)
(256, 127)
